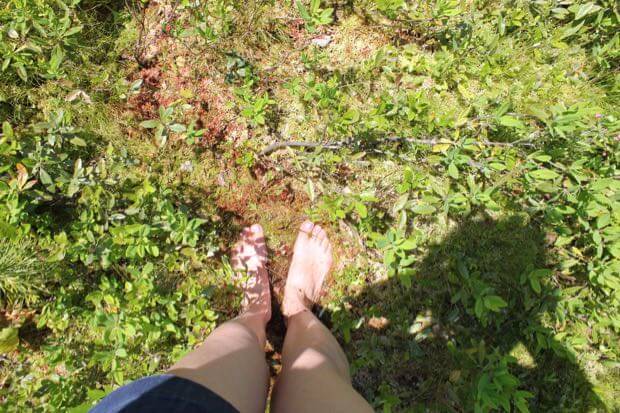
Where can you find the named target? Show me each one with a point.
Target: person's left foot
(249, 257)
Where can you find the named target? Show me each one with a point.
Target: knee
(235, 333)
(319, 356)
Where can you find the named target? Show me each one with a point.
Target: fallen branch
(430, 142)
(294, 144)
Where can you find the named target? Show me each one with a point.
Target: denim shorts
(165, 393)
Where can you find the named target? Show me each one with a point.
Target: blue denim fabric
(166, 393)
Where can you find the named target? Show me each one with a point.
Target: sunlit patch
(523, 356)
(422, 326)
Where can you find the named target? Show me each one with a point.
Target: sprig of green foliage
(314, 15)
(164, 125)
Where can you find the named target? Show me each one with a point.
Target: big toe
(305, 232)
(256, 230)
(306, 228)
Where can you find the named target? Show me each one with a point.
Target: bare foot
(312, 259)
(249, 257)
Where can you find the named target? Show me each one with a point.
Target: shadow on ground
(430, 350)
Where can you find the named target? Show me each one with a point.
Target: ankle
(294, 302)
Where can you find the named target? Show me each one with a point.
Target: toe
(257, 236)
(318, 232)
(245, 233)
(257, 230)
(325, 243)
(306, 227)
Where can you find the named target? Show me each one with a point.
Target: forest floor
(462, 156)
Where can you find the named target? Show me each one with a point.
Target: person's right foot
(312, 259)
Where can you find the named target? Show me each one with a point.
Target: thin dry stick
(293, 144)
(337, 145)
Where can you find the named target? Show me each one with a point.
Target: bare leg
(315, 373)
(231, 361)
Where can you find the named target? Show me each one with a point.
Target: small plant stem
(337, 145)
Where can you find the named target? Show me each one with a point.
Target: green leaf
(92, 395)
(388, 257)
(494, 302)
(177, 128)
(586, 9)
(453, 171)
(326, 16)
(539, 112)
(132, 211)
(56, 58)
(497, 166)
(535, 284)
(248, 112)
(511, 122)
(408, 244)
(571, 30)
(35, 48)
(361, 209)
(303, 12)
(351, 116)
(78, 142)
(520, 400)
(522, 406)
(541, 273)
(150, 124)
(7, 130)
(544, 174)
(21, 71)
(423, 209)
(9, 339)
(614, 249)
(45, 178)
(479, 307)
(541, 157)
(405, 277)
(82, 408)
(154, 250)
(72, 31)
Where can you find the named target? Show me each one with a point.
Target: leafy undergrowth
(463, 156)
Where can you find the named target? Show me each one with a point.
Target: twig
(431, 142)
(287, 144)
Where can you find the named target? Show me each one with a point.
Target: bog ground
(463, 156)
